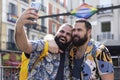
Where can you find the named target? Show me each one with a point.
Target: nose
(75, 32)
(64, 34)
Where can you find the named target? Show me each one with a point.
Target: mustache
(75, 36)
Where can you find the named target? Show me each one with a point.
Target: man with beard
(52, 66)
(89, 59)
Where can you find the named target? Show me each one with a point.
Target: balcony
(43, 29)
(55, 18)
(55, 0)
(62, 4)
(105, 11)
(11, 46)
(43, 8)
(61, 20)
(11, 17)
(40, 28)
(26, 1)
(104, 36)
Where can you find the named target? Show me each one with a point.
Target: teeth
(63, 39)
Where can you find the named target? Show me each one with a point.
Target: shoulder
(102, 52)
(37, 45)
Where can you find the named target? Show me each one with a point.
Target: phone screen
(36, 5)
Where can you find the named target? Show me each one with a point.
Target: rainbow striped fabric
(84, 11)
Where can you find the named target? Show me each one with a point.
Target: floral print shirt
(48, 67)
(102, 59)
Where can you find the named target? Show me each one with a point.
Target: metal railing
(9, 73)
(117, 73)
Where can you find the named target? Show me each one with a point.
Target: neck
(81, 50)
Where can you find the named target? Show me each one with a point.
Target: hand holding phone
(35, 5)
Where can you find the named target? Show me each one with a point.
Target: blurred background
(106, 28)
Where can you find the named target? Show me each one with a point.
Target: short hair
(87, 23)
(67, 24)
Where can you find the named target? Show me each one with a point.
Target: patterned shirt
(48, 67)
(89, 69)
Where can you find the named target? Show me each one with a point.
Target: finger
(60, 51)
(33, 12)
(30, 9)
(30, 16)
(30, 22)
(53, 50)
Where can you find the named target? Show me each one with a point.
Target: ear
(89, 32)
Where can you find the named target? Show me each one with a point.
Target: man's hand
(26, 17)
(107, 76)
(20, 35)
(53, 47)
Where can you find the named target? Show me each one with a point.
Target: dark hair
(87, 24)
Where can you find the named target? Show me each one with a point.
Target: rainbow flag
(84, 11)
(14, 18)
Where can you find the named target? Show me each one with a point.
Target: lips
(63, 40)
(75, 38)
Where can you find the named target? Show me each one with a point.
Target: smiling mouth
(62, 40)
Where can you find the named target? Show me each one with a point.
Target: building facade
(106, 25)
(10, 10)
(106, 28)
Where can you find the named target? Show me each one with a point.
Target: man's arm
(21, 38)
(108, 76)
(20, 35)
(105, 64)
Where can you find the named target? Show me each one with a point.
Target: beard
(79, 41)
(61, 45)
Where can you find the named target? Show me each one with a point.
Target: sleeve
(105, 64)
(37, 47)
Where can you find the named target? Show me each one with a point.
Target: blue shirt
(47, 68)
(89, 71)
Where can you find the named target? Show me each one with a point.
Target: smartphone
(35, 5)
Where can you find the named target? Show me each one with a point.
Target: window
(11, 44)
(12, 9)
(61, 19)
(43, 22)
(23, 9)
(62, 2)
(25, 1)
(54, 10)
(33, 0)
(104, 2)
(53, 29)
(116, 60)
(105, 26)
(11, 35)
(42, 1)
(33, 37)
